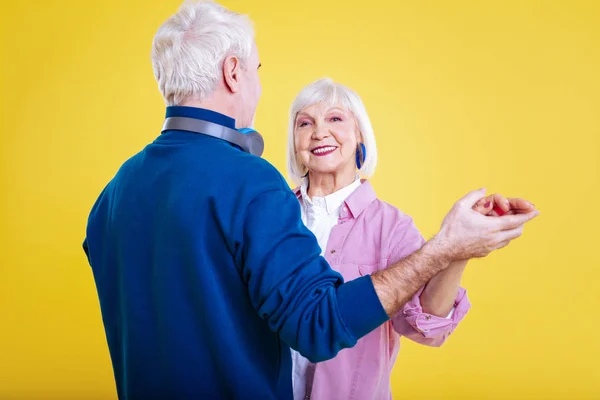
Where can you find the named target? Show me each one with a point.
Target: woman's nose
(320, 133)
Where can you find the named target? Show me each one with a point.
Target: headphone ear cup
(257, 144)
(254, 141)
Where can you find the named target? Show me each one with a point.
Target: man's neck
(213, 103)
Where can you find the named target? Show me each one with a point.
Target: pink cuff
(431, 326)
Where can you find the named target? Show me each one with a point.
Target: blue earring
(361, 155)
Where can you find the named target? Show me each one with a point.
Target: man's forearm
(398, 283)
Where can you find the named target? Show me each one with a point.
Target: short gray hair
(189, 48)
(327, 91)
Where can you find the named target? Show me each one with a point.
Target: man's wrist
(396, 285)
(437, 248)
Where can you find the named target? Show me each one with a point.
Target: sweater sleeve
(294, 289)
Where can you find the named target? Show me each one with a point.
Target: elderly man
(205, 273)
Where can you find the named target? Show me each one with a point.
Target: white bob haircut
(189, 48)
(330, 93)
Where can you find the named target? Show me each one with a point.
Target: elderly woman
(331, 144)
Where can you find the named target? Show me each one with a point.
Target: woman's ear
(359, 137)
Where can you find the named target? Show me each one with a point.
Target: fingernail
(486, 205)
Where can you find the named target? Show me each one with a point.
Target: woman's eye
(335, 119)
(302, 124)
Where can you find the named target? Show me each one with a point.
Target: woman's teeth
(322, 150)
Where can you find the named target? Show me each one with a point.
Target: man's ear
(231, 73)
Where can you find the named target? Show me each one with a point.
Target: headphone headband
(250, 141)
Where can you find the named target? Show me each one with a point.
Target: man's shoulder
(222, 167)
(257, 171)
(258, 165)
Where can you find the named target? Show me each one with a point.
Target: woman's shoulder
(391, 219)
(379, 208)
(390, 227)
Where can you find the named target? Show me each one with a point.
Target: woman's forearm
(440, 293)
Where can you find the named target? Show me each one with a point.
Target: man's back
(199, 257)
(161, 241)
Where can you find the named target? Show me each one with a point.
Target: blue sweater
(207, 276)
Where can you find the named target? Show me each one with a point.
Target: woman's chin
(324, 169)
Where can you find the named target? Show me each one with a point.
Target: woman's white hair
(330, 93)
(189, 48)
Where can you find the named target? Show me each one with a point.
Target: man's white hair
(330, 93)
(189, 48)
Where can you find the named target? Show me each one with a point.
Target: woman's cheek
(300, 145)
(306, 155)
(344, 137)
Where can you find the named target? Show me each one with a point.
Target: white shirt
(320, 215)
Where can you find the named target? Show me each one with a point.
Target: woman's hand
(496, 205)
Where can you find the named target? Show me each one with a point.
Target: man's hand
(465, 233)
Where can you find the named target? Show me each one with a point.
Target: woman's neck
(321, 185)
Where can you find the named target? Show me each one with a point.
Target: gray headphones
(247, 138)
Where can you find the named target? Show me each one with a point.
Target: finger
(514, 211)
(520, 206)
(484, 205)
(501, 245)
(510, 234)
(508, 222)
(501, 205)
(471, 198)
(501, 202)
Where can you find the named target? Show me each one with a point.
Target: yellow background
(462, 94)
